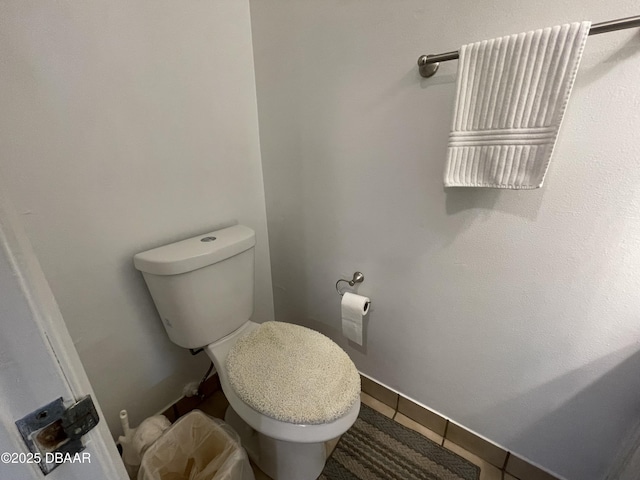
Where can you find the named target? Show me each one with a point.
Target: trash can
(196, 447)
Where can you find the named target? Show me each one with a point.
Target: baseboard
(451, 430)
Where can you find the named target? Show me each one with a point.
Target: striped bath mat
(377, 448)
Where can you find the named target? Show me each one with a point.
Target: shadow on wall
(472, 204)
(564, 436)
(603, 67)
(525, 203)
(627, 464)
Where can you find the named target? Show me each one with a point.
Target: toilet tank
(202, 286)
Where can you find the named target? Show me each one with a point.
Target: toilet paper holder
(358, 277)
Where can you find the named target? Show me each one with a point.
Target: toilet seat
(286, 431)
(293, 374)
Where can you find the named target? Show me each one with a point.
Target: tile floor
(487, 471)
(217, 404)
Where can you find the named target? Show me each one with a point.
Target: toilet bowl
(281, 449)
(203, 290)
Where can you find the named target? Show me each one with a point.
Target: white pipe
(124, 420)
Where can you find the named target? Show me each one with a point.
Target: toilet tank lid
(197, 252)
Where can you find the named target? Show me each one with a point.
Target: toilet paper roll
(354, 309)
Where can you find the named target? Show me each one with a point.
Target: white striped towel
(511, 95)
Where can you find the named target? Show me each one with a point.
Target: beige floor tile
(509, 477)
(487, 471)
(421, 429)
(377, 405)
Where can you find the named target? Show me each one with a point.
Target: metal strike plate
(55, 428)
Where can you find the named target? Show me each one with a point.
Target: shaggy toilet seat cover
(293, 374)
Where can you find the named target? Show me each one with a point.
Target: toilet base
(279, 459)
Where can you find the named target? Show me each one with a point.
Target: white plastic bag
(196, 447)
(136, 440)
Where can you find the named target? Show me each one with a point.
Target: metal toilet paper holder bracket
(358, 277)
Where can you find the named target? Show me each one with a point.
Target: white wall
(515, 314)
(124, 126)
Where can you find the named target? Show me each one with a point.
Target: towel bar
(428, 64)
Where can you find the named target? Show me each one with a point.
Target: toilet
(290, 389)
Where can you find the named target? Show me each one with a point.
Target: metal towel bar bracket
(428, 64)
